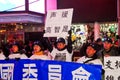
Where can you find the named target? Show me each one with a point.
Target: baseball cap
(107, 39)
(93, 45)
(60, 40)
(38, 43)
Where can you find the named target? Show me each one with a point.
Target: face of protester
(15, 48)
(61, 45)
(90, 51)
(36, 48)
(107, 45)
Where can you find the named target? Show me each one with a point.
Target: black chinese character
(64, 14)
(110, 77)
(108, 64)
(53, 14)
(65, 28)
(118, 77)
(117, 64)
(48, 30)
(57, 29)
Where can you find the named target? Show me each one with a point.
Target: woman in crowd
(39, 52)
(16, 53)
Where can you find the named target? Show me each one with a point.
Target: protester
(16, 53)
(39, 52)
(62, 50)
(108, 48)
(90, 56)
(29, 49)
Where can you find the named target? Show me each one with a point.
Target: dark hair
(93, 45)
(39, 44)
(15, 44)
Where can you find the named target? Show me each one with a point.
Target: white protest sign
(58, 22)
(112, 68)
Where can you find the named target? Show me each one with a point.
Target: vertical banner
(58, 23)
(112, 68)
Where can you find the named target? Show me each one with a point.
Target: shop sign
(20, 18)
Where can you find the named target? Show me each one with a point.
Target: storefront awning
(21, 16)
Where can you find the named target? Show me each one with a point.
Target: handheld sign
(58, 22)
(112, 68)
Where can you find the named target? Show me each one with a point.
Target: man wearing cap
(39, 52)
(90, 56)
(62, 50)
(109, 49)
(16, 53)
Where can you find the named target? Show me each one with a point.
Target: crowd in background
(40, 49)
(93, 52)
(102, 46)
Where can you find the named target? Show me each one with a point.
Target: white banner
(58, 22)
(112, 68)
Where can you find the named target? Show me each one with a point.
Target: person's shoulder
(42, 57)
(32, 57)
(80, 59)
(2, 56)
(13, 56)
(115, 48)
(97, 62)
(23, 56)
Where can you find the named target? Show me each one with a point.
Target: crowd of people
(61, 50)
(104, 47)
(42, 49)
(93, 52)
